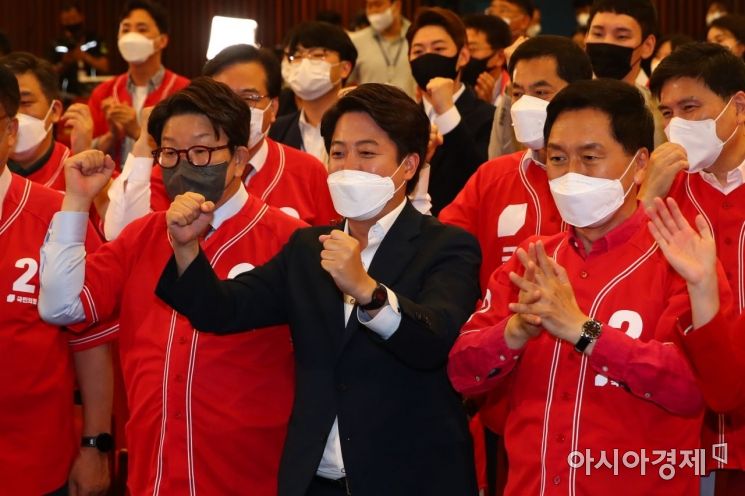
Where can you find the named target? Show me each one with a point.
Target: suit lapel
(391, 258)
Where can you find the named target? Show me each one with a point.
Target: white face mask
(382, 20)
(699, 138)
(585, 201)
(310, 80)
(135, 47)
(528, 118)
(257, 127)
(359, 195)
(31, 131)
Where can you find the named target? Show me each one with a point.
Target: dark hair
(497, 32)
(437, 16)
(312, 34)
(22, 62)
(247, 53)
(393, 111)
(675, 40)
(714, 65)
(156, 11)
(642, 11)
(733, 23)
(205, 96)
(10, 95)
(630, 120)
(572, 63)
(526, 6)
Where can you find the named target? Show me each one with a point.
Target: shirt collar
(429, 110)
(5, 178)
(17, 168)
(530, 157)
(154, 82)
(303, 122)
(735, 179)
(379, 230)
(230, 208)
(259, 158)
(642, 79)
(617, 236)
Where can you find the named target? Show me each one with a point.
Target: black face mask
(74, 29)
(609, 60)
(472, 70)
(432, 65)
(208, 181)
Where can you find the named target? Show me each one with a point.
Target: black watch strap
(591, 331)
(103, 442)
(378, 300)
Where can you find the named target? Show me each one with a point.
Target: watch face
(592, 328)
(104, 442)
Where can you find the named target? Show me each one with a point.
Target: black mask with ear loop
(472, 70)
(431, 65)
(609, 60)
(208, 181)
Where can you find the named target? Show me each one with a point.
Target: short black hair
(643, 12)
(311, 34)
(631, 121)
(498, 33)
(156, 11)
(572, 63)
(675, 40)
(205, 96)
(714, 65)
(247, 53)
(23, 62)
(437, 16)
(526, 6)
(393, 111)
(733, 23)
(10, 94)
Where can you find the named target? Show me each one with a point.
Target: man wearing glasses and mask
(207, 414)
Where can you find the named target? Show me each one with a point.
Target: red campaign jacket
(38, 442)
(637, 390)
(208, 413)
(503, 203)
(725, 215)
(117, 88)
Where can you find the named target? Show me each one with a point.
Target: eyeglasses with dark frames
(198, 156)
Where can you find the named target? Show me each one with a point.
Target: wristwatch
(591, 331)
(379, 298)
(103, 442)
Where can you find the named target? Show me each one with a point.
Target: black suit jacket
(286, 130)
(462, 151)
(402, 428)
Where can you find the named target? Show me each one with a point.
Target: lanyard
(391, 65)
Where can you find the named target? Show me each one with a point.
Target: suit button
(557, 480)
(583, 274)
(182, 340)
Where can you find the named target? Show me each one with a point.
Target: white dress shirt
(62, 271)
(257, 161)
(448, 120)
(734, 180)
(129, 195)
(312, 139)
(385, 323)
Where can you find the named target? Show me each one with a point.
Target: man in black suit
(374, 413)
(320, 58)
(437, 52)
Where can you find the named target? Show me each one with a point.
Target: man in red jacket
(208, 414)
(115, 105)
(602, 398)
(701, 89)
